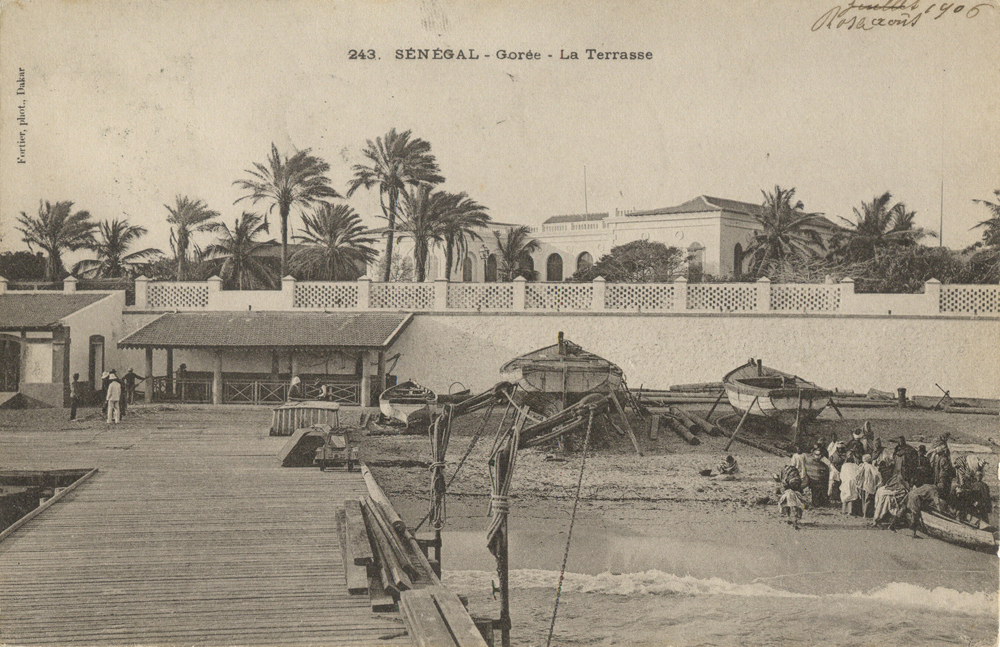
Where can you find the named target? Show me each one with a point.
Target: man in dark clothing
(925, 471)
(74, 395)
(129, 380)
(905, 462)
(917, 500)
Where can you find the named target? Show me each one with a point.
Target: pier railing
(599, 296)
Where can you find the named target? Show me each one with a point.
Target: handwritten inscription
(893, 13)
(22, 118)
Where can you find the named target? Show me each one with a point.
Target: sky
(131, 103)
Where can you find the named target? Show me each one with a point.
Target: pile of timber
(685, 424)
(383, 560)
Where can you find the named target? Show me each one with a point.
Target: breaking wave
(654, 582)
(939, 598)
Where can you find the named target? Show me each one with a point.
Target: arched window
(554, 268)
(584, 261)
(738, 261)
(467, 269)
(696, 261)
(527, 263)
(491, 269)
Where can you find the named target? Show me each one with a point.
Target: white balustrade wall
(599, 296)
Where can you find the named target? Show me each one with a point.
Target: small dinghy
(956, 532)
(406, 402)
(777, 395)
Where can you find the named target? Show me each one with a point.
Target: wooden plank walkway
(190, 534)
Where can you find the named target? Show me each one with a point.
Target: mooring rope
(472, 445)
(569, 533)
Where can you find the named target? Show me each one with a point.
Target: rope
(569, 534)
(472, 445)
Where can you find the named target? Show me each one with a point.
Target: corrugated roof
(40, 310)
(577, 217)
(269, 329)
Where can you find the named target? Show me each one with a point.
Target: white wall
(847, 352)
(103, 317)
(37, 361)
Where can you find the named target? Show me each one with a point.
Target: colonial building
(713, 232)
(47, 336)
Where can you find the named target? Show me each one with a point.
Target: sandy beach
(661, 555)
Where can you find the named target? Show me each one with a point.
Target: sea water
(658, 608)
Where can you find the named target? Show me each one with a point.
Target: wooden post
(628, 426)
(149, 376)
(366, 379)
(217, 377)
(834, 405)
(796, 429)
(381, 371)
(739, 426)
(170, 371)
(717, 401)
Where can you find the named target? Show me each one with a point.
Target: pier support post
(217, 377)
(148, 396)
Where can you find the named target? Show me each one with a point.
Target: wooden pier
(190, 533)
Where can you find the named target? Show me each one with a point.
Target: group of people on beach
(884, 483)
(115, 395)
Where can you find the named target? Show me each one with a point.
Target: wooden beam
(217, 376)
(148, 396)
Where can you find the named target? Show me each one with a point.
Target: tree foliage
(286, 182)
(187, 217)
(514, 248)
(56, 229)
(463, 217)
(640, 261)
(112, 246)
(394, 162)
(237, 254)
(336, 244)
(787, 231)
(877, 227)
(22, 266)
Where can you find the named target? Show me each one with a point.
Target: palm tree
(112, 247)
(423, 220)
(464, 216)
(57, 229)
(513, 248)
(188, 216)
(877, 226)
(336, 242)
(393, 163)
(297, 180)
(237, 254)
(991, 226)
(786, 232)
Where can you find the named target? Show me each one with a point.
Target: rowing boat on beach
(403, 401)
(956, 532)
(767, 392)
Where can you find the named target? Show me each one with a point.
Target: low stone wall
(961, 354)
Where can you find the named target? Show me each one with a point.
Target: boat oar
(739, 426)
(712, 410)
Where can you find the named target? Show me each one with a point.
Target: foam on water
(939, 598)
(654, 582)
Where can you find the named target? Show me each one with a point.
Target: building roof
(269, 330)
(41, 309)
(705, 203)
(577, 217)
(701, 204)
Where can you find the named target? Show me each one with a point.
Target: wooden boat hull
(406, 402)
(961, 534)
(766, 392)
(563, 368)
